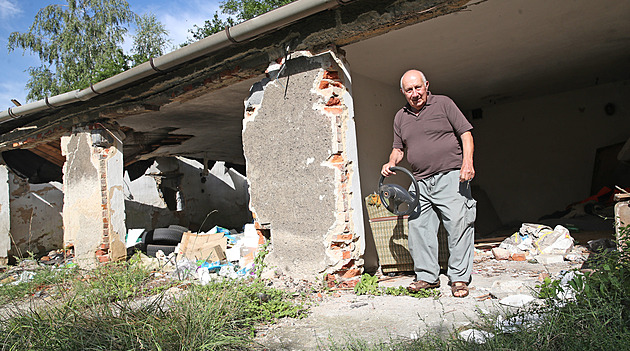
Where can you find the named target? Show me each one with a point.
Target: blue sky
(18, 15)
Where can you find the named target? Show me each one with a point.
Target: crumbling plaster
(300, 175)
(36, 224)
(93, 212)
(5, 215)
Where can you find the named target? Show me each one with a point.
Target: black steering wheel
(394, 195)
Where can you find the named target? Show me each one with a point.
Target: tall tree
(237, 11)
(81, 43)
(150, 40)
(248, 9)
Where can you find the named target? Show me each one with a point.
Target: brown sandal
(421, 284)
(459, 289)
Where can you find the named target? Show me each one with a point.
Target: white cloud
(8, 8)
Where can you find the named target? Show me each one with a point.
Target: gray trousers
(443, 197)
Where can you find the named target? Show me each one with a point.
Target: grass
(120, 307)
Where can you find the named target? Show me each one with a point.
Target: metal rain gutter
(230, 36)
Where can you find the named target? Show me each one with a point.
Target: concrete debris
(518, 301)
(476, 336)
(500, 254)
(549, 259)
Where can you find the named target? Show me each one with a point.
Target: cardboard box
(209, 247)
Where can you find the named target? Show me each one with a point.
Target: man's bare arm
(468, 170)
(394, 158)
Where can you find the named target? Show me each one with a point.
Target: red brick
(331, 75)
(352, 273)
(100, 253)
(519, 256)
(324, 84)
(333, 110)
(103, 259)
(333, 101)
(346, 255)
(336, 158)
(344, 237)
(349, 283)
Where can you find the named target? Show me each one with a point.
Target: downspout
(232, 35)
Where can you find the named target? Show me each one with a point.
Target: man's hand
(386, 169)
(467, 172)
(395, 157)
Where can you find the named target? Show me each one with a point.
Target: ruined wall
(301, 158)
(36, 224)
(94, 210)
(5, 215)
(222, 189)
(532, 156)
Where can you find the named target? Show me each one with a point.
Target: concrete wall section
(201, 192)
(5, 215)
(36, 224)
(93, 211)
(299, 172)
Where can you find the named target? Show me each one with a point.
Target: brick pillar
(5, 215)
(94, 206)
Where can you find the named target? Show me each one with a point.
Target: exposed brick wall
(342, 241)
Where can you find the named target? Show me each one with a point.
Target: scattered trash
(476, 336)
(533, 240)
(519, 322)
(549, 259)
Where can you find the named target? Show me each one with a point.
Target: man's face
(415, 90)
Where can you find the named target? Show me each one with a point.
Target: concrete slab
(341, 316)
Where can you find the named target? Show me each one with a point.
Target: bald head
(412, 72)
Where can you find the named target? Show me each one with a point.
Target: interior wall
(532, 157)
(151, 200)
(35, 212)
(536, 156)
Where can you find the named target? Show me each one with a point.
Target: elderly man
(439, 148)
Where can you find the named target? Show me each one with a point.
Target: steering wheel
(394, 195)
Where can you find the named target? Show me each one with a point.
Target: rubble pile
(218, 252)
(540, 243)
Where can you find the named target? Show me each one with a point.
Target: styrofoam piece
(519, 300)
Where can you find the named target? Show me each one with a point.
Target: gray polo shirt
(432, 137)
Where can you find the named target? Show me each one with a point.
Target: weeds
(118, 307)
(368, 285)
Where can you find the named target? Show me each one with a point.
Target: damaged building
(285, 120)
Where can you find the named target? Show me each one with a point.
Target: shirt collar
(428, 103)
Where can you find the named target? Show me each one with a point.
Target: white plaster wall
(222, 189)
(5, 215)
(532, 156)
(36, 223)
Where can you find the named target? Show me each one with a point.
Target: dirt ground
(341, 315)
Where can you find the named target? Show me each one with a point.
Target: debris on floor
(219, 252)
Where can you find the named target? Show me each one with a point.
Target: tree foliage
(150, 39)
(237, 11)
(81, 43)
